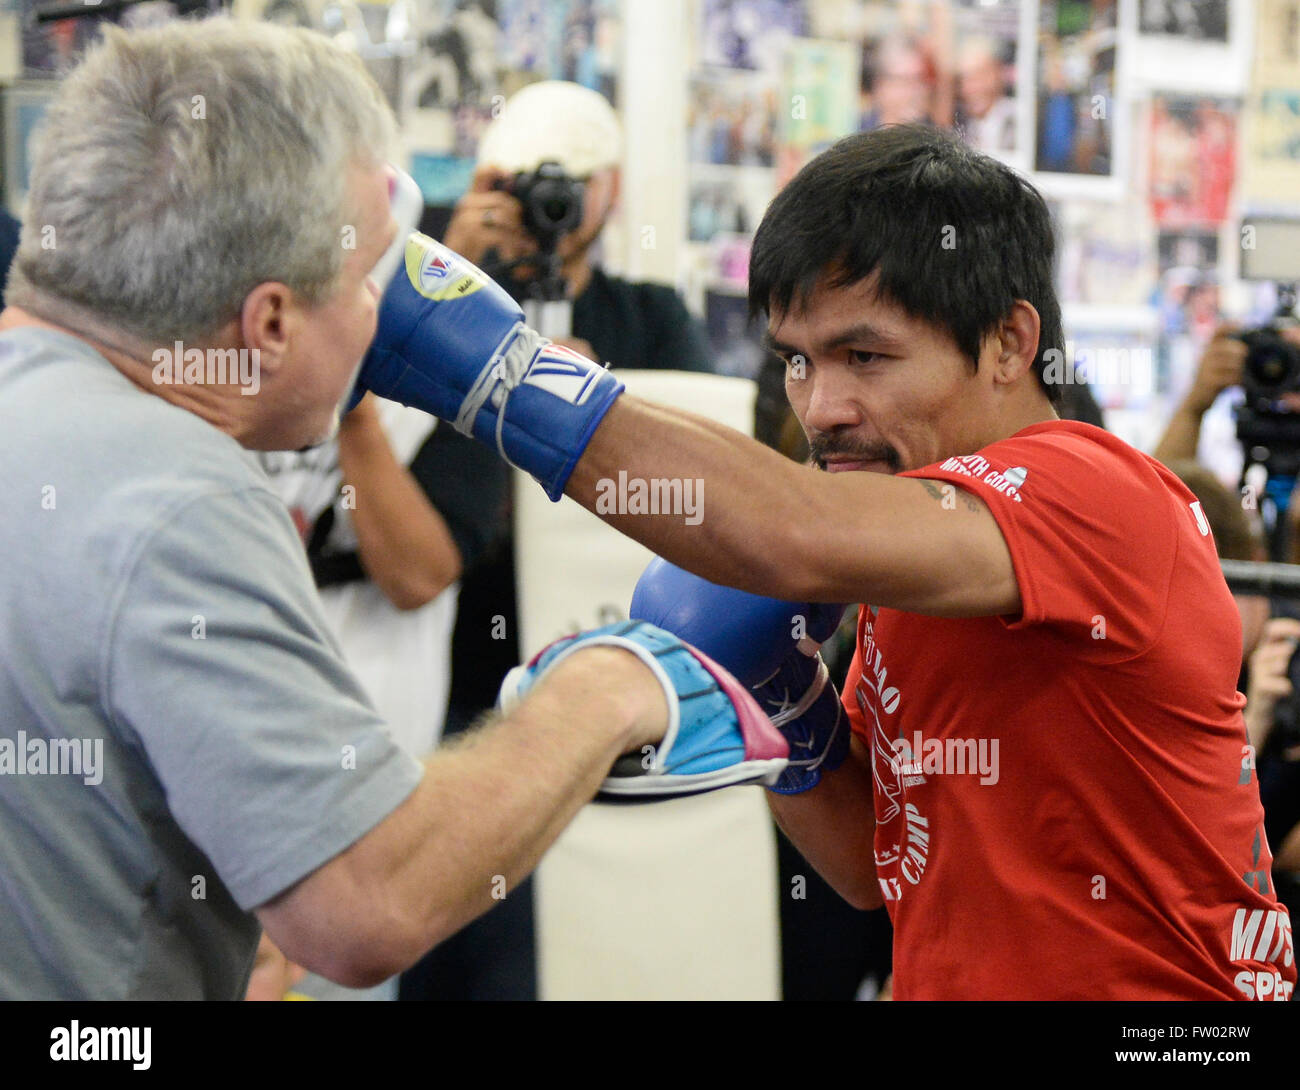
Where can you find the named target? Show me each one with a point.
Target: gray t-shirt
(180, 740)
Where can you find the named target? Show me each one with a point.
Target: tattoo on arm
(948, 493)
(935, 491)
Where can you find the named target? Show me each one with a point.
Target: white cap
(553, 120)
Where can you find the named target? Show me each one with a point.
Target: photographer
(1275, 745)
(615, 321)
(1220, 367)
(1273, 725)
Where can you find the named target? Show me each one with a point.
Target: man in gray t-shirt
(158, 604)
(184, 756)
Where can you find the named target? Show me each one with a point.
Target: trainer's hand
(715, 735)
(488, 219)
(621, 675)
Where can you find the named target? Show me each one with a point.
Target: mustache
(821, 447)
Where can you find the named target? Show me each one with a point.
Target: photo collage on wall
(447, 65)
(47, 48)
(776, 82)
(1126, 114)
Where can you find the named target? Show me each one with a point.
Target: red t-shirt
(1065, 801)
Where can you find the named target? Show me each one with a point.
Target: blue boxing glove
(769, 645)
(716, 737)
(450, 341)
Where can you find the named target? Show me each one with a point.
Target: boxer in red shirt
(1049, 785)
(1048, 782)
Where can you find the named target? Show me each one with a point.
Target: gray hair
(180, 167)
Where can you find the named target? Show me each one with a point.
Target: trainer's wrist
(617, 691)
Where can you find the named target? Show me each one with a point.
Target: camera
(552, 206)
(552, 202)
(1268, 431)
(1272, 364)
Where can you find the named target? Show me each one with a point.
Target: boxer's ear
(1015, 343)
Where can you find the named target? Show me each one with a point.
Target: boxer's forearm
(772, 527)
(834, 827)
(477, 824)
(752, 525)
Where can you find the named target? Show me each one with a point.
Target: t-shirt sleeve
(1090, 527)
(218, 661)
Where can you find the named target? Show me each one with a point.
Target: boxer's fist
(749, 635)
(453, 343)
(771, 646)
(716, 737)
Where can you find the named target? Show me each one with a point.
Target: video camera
(1269, 431)
(1272, 366)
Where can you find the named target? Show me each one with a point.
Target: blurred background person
(905, 81)
(617, 321)
(986, 113)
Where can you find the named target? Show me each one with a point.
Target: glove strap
(790, 713)
(507, 368)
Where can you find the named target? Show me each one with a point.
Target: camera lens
(1270, 367)
(555, 210)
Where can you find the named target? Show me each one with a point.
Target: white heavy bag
(667, 900)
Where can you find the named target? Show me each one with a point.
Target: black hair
(955, 237)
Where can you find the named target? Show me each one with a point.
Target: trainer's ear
(269, 320)
(1014, 345)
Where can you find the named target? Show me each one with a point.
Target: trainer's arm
(776, 528)
(485, 812)
(834, 826)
